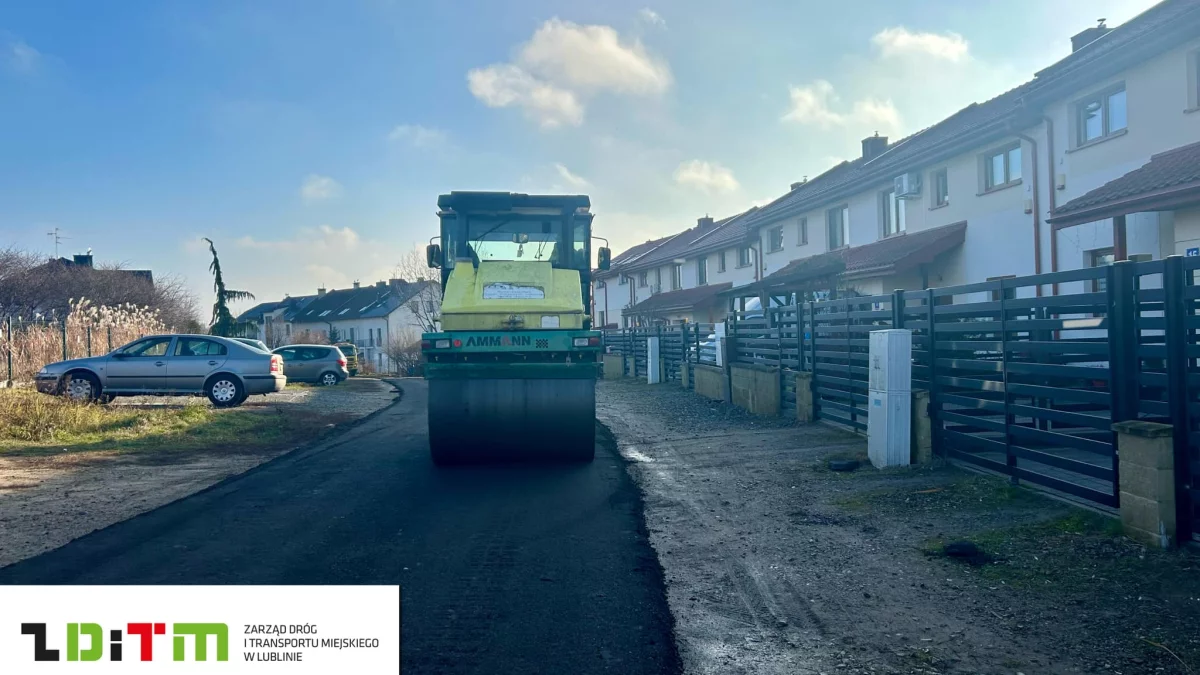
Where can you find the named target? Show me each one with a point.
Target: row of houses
(375, 317)
(1095, 159)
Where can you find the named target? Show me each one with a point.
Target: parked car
(322, 364)
(351, 353)
(225, 371)
(257, 344)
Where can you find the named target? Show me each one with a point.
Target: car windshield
(520, 239)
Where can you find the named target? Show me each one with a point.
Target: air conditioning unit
(908, 186)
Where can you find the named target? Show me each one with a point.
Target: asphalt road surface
(503, 569)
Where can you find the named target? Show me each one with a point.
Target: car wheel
(81, 387)
(329, 379)
(225, 391)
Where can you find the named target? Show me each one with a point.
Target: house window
(893, 213)
(287, 328)
(1100, 116)
(370, 338)
(802, 232)
(941, 188)
(702, 270)
(837, 222)
(1002, 167)
(1099, 258)
(1008, 293)
(658, 279)
(643, 280)
(744, 256)
(600, 284)
(352, 335)
(775, 239)
(622, 280)
(602, 319)
(721, 261)
(676, 277)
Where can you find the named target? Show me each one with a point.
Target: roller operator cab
(512, 373)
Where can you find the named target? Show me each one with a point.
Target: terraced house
(1091, 161)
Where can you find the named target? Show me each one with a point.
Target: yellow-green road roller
(512, 371)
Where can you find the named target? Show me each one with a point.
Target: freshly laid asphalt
(503, 569)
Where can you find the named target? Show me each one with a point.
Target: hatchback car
(322, 364)
(257, 344)
(225, 371)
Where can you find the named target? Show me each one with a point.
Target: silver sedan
(224, 370)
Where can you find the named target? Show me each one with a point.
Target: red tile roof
(1169, 180)
(886, 256)
(681, 299)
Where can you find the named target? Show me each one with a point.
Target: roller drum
(479, 420)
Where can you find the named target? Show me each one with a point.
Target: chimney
(380, 284)
(356, 284)
(320, 291)
(802, 181)
(1086, 37)
(704, 223)
(873, 146)
(83, 260)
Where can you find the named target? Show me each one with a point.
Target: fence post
(89, 341)
(1175, 309)
(110, 338)
(935, 425)
(898, 308)
(8, 332)
(1010, 420)
(1122, 340)
(64, 338)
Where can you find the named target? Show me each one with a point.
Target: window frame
(843, 214)
(643, 279)
(721, 262)
(622, 280)
(1090, 257)
(889, 204)
(702, 271)
(740, 263)
(1103, 97)
(937, 200)
(676, 277)
(802, 231)
(772, 234)
(987, 166)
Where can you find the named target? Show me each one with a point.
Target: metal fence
(1022, 382)
(28, 344)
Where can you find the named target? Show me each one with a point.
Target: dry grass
(33, 424)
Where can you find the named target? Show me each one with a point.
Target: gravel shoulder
(48, 499)
(774, 564)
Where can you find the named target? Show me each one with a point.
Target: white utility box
(653, 372)
(889, 399)
(891, 361)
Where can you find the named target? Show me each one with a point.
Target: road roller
(512, 369)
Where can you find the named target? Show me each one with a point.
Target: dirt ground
(774, 564)
(47, 500)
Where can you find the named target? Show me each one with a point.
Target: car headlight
(44, 371)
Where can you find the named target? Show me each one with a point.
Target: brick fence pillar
(1147, 470)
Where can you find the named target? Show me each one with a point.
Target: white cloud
(323, 238)
(319, 188)
(417, 135)
(572, 179)
(652, 17)
(562, 64)
(504, 85)
(592, 58)
(17, 55)
(707, 176)
(898, 40)
(813, 105)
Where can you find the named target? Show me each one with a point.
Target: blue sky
(310, 139)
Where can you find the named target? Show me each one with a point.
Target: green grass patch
(33, 424)
(967, 492)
